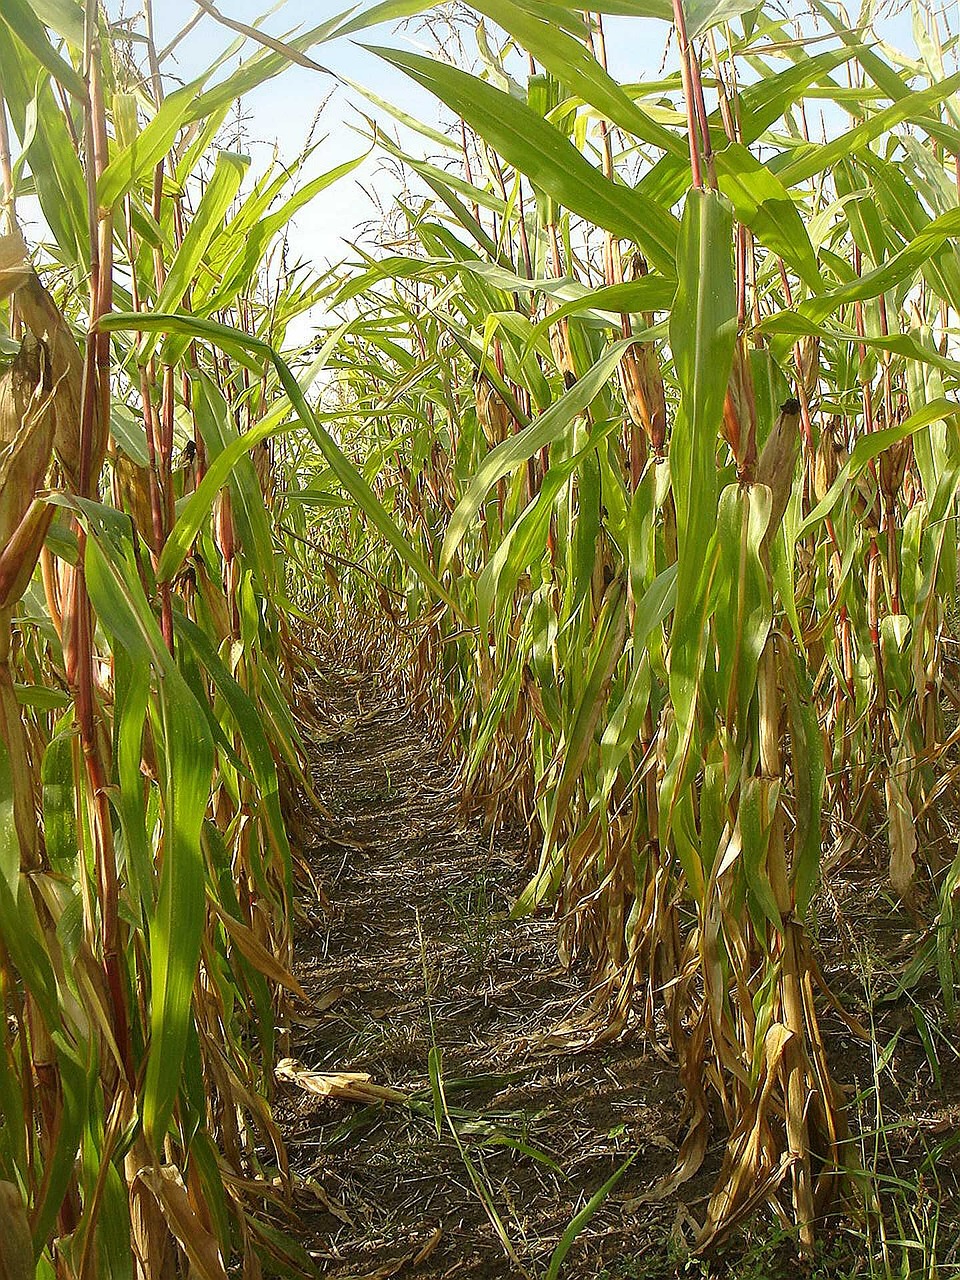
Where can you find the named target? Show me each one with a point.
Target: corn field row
(636, 447)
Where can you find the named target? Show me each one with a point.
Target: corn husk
(829, 458)
(263, 465)
(44, 318)
(15, 268)
(492, 414)
(16, 1244)
(132, 486)
(642, 387)
(901, 836)
(739, 423)
(27, 427)
(777, 463)
(560, 346)
(810, 364)
(348, 1086)
(893, 466)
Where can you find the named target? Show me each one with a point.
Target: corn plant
(149, 750)
(660, 388)
(638, 451)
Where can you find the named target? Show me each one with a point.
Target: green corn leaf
(796, 324)
(523, 543)
(896, 268)
(886, 77)
(755, 813)
(191, 103)
(200, 503)
(72, 1069)
(249, 244)
(410, 122)
(512, 453)
(344, 469)
(701, 15)
(177, 919)
(59, 799)
(743, 610)
(386, 11)
(580, 1220)
(244, 711)
(811, 158)
(568, 59)
(20, 18)
(662, 9)
(217, 197)
(549, 160)
(762, 203)
(50, 151)
(702, 336)
(601, 304)
(65, 17)
(810, 773)
(132, 699)
(249, 510)
(603, 656)
(20, 928)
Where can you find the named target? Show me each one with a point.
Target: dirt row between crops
(414, 969)
(412, 952)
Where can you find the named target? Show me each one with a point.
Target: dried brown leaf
(427, 1249)
(332, 1206)
(328, 999)
(199, 1244)
(253, 950)
(350, 1086)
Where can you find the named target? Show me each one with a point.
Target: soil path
(413, 959)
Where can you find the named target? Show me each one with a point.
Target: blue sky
(281, 112)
